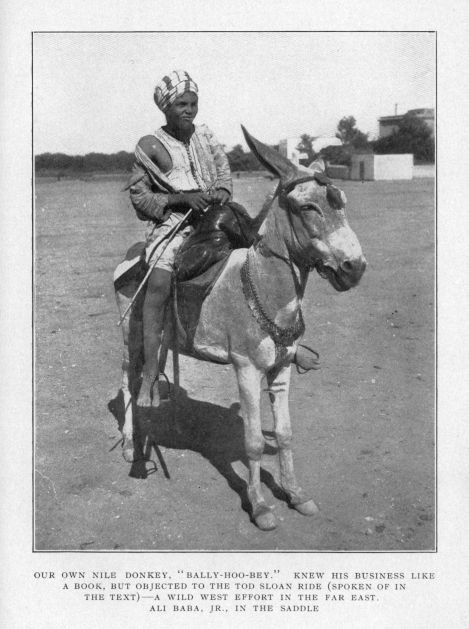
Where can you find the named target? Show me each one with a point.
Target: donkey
(252, 317)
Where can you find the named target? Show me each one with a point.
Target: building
(389, 124)
(370, 167)
(288, 147)
(323, 141)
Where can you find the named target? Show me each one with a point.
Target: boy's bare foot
(149, 394)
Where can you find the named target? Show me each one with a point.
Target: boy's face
(181, 113)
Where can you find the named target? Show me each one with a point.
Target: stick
(170, 235)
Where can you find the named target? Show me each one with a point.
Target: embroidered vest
(190, 169)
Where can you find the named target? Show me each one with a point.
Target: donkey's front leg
(249, 382)
(279, 386)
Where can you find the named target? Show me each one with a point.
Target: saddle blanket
(132, 266)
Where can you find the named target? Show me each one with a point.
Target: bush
(341, 155)
(413, 136)
(92, 162)
(239, 160)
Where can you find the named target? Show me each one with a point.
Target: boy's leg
(156, 298)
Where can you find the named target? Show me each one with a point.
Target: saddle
(201, 259)
(219, 230)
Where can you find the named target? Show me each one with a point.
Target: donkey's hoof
(306, 508)
(264, 518)
(128, 451)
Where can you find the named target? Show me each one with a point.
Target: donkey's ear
(271, 159)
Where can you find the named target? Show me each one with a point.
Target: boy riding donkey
(180, 168)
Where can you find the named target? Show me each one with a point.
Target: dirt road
(363, 425)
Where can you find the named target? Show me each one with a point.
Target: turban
(171, 86)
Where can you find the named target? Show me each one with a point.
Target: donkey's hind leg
(249, 382)
(279, 386)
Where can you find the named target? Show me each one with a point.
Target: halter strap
(261, 246)
(321, 178)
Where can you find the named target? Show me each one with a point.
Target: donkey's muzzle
(344, 276)
(351, 271)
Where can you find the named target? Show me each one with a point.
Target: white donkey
(252, 317)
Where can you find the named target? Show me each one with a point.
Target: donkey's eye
(312, 207)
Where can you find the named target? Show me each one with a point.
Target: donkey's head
(312, 219)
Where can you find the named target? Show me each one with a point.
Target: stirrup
(306, 362)
(162, 373)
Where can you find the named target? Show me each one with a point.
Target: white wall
(394, 166)
(379, 167)
(287, 148)
(322, 141)
(424, 170)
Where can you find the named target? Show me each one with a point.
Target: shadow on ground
(215, 432)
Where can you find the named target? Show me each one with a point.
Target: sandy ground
(363, 425)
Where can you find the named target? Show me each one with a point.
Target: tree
(92, 162)
(348, 133)
(412, 136)
(306, 146)
(337, 155)
(352, 140)
(239, 160)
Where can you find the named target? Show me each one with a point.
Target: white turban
(171, 86)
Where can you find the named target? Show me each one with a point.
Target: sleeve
(221, 162)
(147, 203)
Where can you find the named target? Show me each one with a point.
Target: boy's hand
(197, 201)
(220, 196)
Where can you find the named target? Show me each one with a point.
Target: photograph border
(433, 551)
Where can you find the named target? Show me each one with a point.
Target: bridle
(282, 337)
(282, 191)
(320, 178)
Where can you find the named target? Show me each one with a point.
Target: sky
(93, 92)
